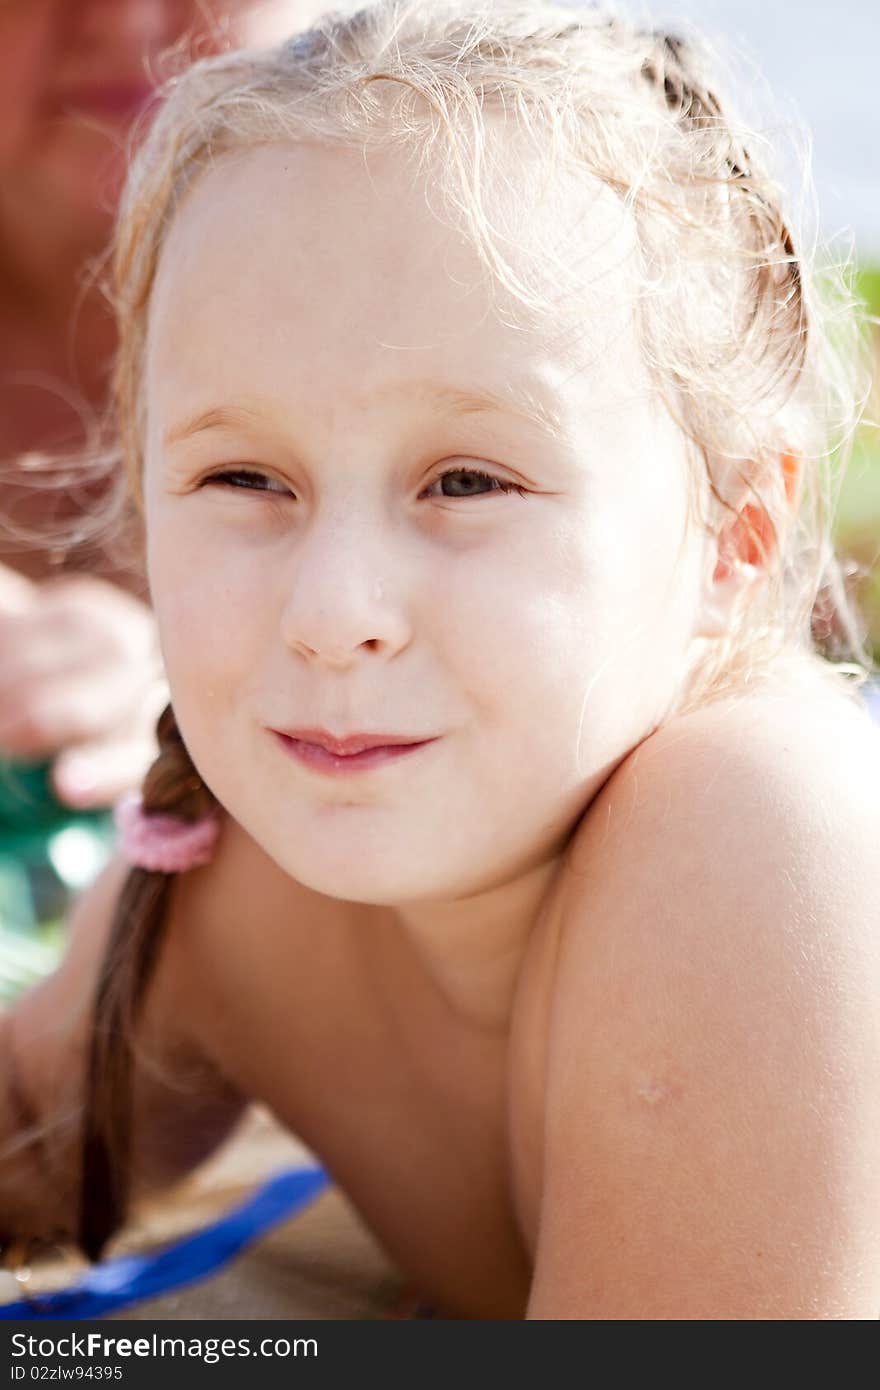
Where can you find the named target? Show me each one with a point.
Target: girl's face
(360, 521)
(75, 73)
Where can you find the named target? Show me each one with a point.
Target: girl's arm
(713, 1090)
(182, 1108)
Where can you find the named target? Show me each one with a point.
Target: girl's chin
(381, 877)
(352, 887)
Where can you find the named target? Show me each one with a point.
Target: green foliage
(868, 287)
(857, 529)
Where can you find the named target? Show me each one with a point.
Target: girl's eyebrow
(520, 400)
(216, 418)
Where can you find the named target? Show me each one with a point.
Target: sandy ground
(322, 1263)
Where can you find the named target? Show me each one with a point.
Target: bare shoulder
(786, 778)
(225, 924)
(239, 933)
(713, 1106)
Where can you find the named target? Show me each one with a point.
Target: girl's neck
(473, 948)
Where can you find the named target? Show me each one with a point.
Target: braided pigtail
(173, 787)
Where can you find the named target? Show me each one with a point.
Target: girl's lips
(313, 756)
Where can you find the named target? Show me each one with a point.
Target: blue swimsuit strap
(127, 1279)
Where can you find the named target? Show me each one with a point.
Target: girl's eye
(249, 481)
(454, 483)
(470, 482)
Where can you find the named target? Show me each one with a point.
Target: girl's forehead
(322, 257)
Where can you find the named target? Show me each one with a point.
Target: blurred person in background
(80, 673)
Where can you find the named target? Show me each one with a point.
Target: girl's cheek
(212, 606)
(179, 574)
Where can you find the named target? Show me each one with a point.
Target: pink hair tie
(162, 843)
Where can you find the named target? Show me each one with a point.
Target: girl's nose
(341, 607)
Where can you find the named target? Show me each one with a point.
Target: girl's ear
(740, 555)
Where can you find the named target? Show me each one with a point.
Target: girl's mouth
(320, 759)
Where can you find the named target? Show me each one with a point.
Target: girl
(509, 838)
